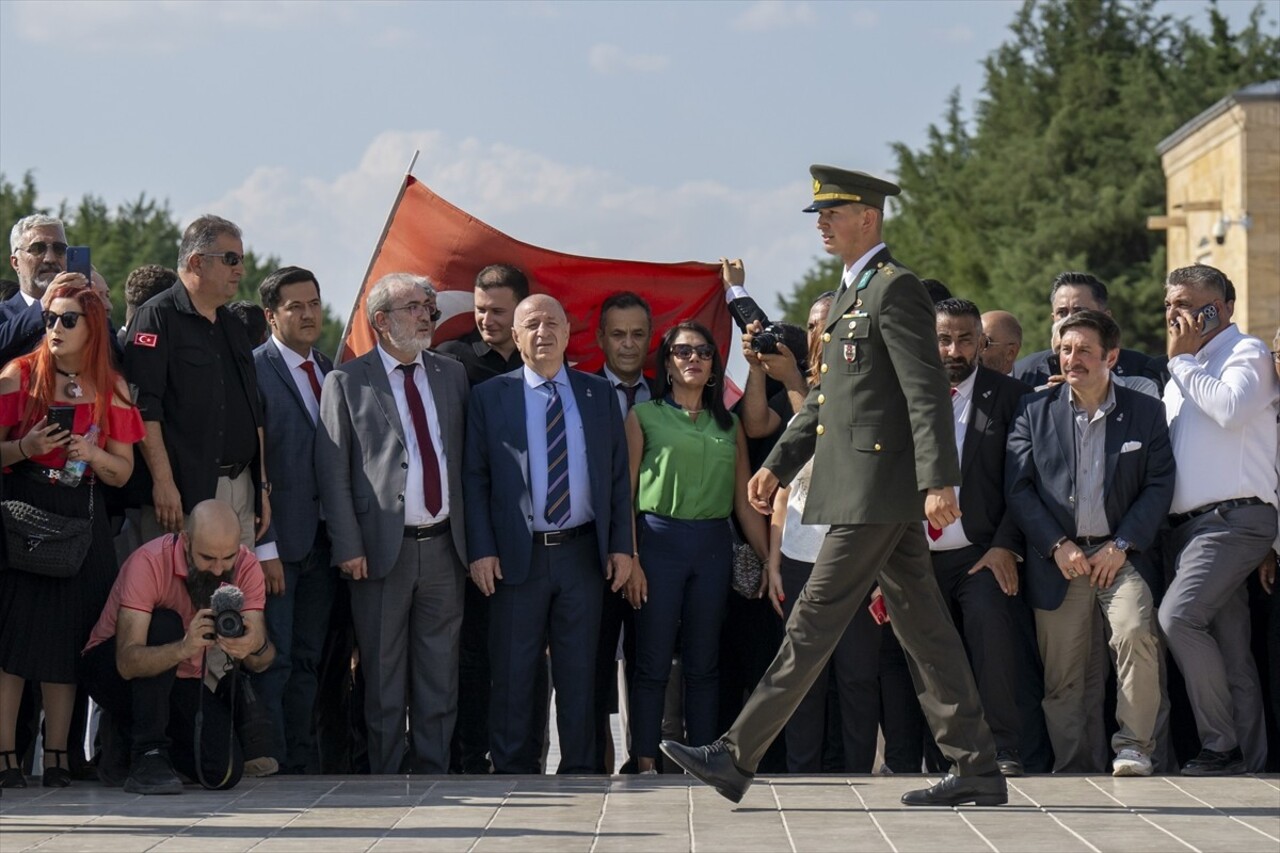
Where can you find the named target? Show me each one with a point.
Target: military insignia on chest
(850, 352)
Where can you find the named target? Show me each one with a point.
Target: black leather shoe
(11, 776)
(1010, 762)
(1210, 763)
(958, 790)
(152, 773)
(55, 775)
(712, 765)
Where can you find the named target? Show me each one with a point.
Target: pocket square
(1130, 445)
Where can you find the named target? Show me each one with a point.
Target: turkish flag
(428, 236)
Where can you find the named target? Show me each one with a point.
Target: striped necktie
(558, 506)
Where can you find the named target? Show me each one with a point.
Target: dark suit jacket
(361, 458)
(20, 327)
(290, 439)
(1040, 474)
(1034, 369)
(880, 426)
(496, 485)
(982, 505)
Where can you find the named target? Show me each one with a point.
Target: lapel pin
(1119, 417)
(986, 394)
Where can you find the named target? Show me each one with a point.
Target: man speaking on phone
(1221, 402)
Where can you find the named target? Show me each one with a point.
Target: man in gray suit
(879, 428)
(389, 461)
(294, 553)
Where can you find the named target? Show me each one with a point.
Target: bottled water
(74, 470)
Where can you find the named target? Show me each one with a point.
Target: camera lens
(229, 623)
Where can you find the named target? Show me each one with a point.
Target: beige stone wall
(1228, 167)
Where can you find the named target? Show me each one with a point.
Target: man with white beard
(389, 465)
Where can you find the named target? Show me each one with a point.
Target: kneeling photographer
(180, 603)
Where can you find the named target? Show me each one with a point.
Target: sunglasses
(685, 352)
(231, 259)
(68, 318)
(39, 249)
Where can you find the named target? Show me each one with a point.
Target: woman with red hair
(45, 621)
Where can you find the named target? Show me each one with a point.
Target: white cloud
(611, 59)
(330, 225)
(957, 34)
(764, 15)
(163, 26)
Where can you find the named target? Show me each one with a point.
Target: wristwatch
(1122, 544)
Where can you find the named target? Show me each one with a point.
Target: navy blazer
(496, 467)
(1040, 474)
(290, 441)
(982, 458)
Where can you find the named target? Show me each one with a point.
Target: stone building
(1222, 179)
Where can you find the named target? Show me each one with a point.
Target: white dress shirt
(642, 390)
(851, 272)
(415, 501)
(961, 405)
(1221, 404)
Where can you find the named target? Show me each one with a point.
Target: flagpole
(395, 205)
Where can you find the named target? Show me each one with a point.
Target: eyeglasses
(68, 318)
(421, 308)
(684, 352)
(231, 259)
(39, 249)
(990, 343)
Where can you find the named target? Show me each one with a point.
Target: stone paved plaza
(633, 813)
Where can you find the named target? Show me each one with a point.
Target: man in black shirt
(191, 362)
(490, 350)
(487, 352)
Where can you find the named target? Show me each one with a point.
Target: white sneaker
(1131, 762)
(652, 771)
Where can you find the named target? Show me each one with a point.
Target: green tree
(1057, 168)
(139, 232)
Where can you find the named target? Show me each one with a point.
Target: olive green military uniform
(880, 430)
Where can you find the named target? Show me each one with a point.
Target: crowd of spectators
(433, 544)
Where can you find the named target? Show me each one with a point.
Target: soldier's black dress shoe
(1009, 762)
(957, 790)
(712, 765)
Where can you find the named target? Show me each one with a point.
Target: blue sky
(657, 131)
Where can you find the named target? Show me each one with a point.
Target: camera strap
(199, 726)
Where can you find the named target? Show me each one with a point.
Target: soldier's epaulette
(887, 269)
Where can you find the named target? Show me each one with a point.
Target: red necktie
(935, 533)
(309, 367)
(430, 464)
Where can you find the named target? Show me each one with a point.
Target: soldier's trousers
(853, 558)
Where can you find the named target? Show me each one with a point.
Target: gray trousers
(1205, 618)
(853, 557)
(408, 626)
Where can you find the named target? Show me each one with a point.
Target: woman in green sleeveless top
(689, 471)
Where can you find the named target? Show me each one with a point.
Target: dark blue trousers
(688, 566)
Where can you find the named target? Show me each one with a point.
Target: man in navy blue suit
(295, 550)
(548, 499)
(1089, 477)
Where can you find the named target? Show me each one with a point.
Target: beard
(958, 370)
(407, 338)
(200, 585)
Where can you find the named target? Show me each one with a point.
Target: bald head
(1004, 341)
(213, 527)
(542, 334)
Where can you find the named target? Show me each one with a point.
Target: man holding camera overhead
(144, 659)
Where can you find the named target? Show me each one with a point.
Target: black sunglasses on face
(686, 351)
(39, 249)
(231, 259)
(68, 318)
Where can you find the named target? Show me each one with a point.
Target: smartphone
(1055, 365)
(62, 416)
(1209, 315)
(78, 261)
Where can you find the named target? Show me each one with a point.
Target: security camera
(1220, 231)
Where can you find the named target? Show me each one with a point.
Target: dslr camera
(227, 619)
(766, 342)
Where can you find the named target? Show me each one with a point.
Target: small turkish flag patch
(145, 339)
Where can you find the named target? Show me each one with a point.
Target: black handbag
(43, 542)
(747, 571)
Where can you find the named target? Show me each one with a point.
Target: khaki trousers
(853, 557)
(237, 492)
(1065, 637)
